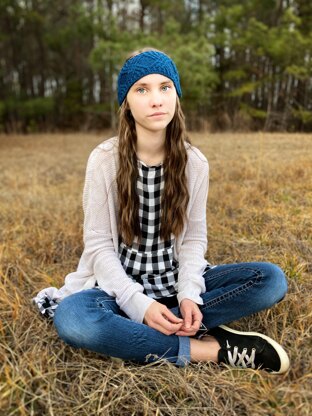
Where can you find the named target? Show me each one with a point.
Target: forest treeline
(244, 65)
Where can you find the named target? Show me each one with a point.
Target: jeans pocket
(108, 303)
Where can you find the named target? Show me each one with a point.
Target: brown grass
(259, 209)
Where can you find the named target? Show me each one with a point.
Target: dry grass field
(260, 208)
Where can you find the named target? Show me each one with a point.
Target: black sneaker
(249, 350)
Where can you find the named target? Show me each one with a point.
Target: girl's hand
(192, 318)
(159, 317)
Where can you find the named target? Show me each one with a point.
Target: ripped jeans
(91, 319)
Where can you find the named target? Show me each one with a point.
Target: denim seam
(228, 270)
(236, 291)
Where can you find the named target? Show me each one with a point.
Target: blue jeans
(91, 318)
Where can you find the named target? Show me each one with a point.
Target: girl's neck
(151, 146)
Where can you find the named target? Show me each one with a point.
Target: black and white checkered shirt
(151, 263)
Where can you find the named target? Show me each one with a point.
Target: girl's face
(152, 101)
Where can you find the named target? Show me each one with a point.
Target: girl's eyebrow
(144, 84)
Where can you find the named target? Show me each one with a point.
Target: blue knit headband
(150, 62)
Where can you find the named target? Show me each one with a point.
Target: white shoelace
(242, 360)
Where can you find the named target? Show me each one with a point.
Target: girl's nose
(156, 98)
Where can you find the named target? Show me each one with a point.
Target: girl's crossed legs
(91, 319)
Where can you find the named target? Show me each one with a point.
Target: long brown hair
(175, 196)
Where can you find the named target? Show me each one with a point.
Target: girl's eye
(141, 90)
(166, 87)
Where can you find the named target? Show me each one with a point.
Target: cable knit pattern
(99, 261)
(150, 62)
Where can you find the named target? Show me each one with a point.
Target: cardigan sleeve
(99, 251)
(192, 261)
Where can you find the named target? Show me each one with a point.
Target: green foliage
(245, 88)
(105, 53)
(253, 112)
(303, 115)
(299, 72)
(35, 108)
(31, 112)
(198, 78)
(235, 75)
(72, 101)
(2, 109)
(193, 57)
(257, 36)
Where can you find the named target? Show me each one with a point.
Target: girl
(143, 289)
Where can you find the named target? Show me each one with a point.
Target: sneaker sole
(285, 364)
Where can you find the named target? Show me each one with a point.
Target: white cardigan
(100, 262)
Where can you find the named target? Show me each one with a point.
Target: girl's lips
(157, 114)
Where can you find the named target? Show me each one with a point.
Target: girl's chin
(153, 126)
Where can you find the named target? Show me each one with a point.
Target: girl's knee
(276, 282)
(71, 321)
(66, 323)
(80, 324)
